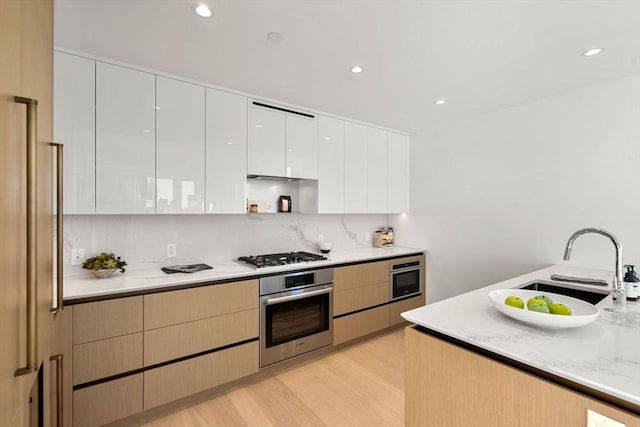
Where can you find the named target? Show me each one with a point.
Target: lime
(514, 302)
(540, 308)
(558, 308)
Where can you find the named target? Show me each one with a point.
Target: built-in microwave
(405, 278)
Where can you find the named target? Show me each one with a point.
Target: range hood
(273, 178)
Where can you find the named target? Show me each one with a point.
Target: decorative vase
(103, 273)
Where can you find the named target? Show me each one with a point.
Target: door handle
(59, 242)
(302, 295)
(32, 126)
(59, 359)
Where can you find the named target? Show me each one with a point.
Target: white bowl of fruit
(544, 309)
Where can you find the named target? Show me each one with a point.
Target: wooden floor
(361, 385)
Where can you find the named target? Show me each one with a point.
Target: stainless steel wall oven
(405, 278)
(296, 314)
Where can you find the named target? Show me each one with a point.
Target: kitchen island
(468, 364)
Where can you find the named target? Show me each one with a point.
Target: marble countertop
(603, 355)
(78, 288)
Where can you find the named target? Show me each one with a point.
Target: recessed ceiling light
(356, 69)
(203, 10)
(275, 37)
(592, 52)
(440, 101)
(327, 138)
(258, 125)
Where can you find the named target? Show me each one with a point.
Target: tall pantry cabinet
(26, 225)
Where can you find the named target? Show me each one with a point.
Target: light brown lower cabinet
(446, 385)
(181, 379)
(396, 308)
(103, 403)
(357, 325)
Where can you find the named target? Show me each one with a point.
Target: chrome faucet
(617, 287)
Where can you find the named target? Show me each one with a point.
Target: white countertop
(603, 355)
(148, 279)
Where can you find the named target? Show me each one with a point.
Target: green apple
(537, 301)
(546, 298)
(514, 301)
(540, 308)
(558, 308)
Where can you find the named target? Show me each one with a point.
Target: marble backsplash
(142, 239)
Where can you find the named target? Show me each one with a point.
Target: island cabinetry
(448, 385)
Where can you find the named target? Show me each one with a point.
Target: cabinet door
(125, 140)
(355, 168)
(180, 146)
(74, 126)
(301, 157)
(376, 171)
(331, 165)
(266, 142)
(398, 173)
(226, 126)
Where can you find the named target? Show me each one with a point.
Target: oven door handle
(279, 300)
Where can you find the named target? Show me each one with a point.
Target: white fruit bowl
(583, 312)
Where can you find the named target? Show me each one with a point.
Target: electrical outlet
(367, 237)
(320, 238)
(77, 256)
(171, 250)
(595, 419)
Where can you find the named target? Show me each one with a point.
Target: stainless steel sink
(592, 297)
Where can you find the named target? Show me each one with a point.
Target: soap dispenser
(631, 283)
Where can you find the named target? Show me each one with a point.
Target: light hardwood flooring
(360, 385)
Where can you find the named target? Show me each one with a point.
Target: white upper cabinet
(226, 152)
(302, 147)
(281, 143)
(355, 168)
(125, 140)
(398, 162)
(376, 170)
(331, 165)
(180, 146)
(74, 126)
(266, 141)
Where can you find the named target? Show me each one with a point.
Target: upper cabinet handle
(59, 242)
(32, 125)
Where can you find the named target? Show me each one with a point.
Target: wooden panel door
(26, 71)
(447, 385)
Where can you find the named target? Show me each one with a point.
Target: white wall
(142, 239)
(497, 195)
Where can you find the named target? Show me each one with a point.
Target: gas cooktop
(272, 260)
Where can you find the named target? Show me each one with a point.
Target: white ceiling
(479, 55)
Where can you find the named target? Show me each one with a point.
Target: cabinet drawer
(360, 275)
(105, 319)
(171, 308)
(100, 359)
(360, 324)
(103, 403)
(357, 298)
(176, 341)
(401, 306)
(177, 380)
